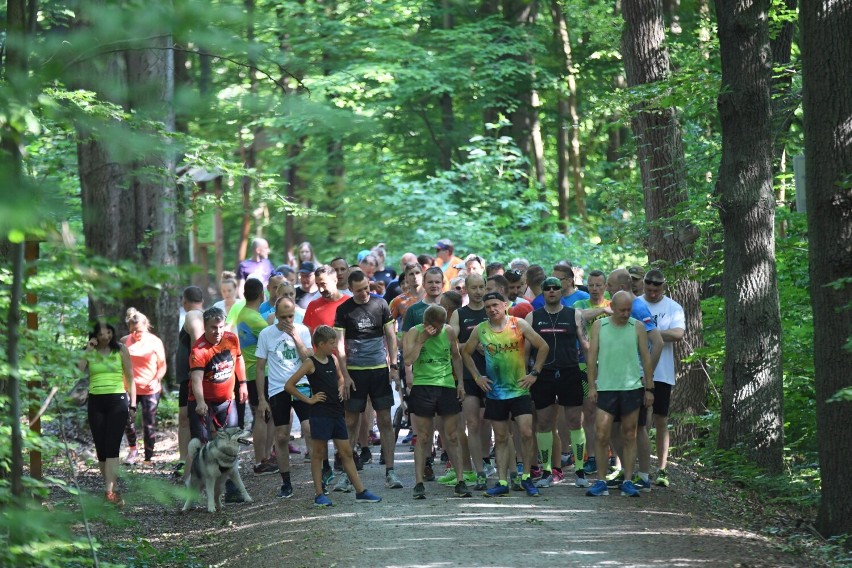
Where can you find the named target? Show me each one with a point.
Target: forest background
(145, 143)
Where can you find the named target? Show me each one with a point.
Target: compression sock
(578, 443)
(545, 447)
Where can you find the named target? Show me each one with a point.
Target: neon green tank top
(504, 359)
(105, 373)
(618, 357)
(434, 366)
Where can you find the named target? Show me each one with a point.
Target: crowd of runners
(515, 366)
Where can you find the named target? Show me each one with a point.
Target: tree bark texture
(660, 147)
(568, 124)
(827, 85)
(752, 397)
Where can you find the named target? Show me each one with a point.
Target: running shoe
(615, 479)
(293, 449)
(356, 457)
(556, 477)
(408, 437)
(469, 477)
(327, 475)
(419, 491)
(544, 481)
(567, 460)
(520, 467)
(641, 484)
(581, 482)
(490, 470)
(366, 456)
(374, 439)
(481, 483)
(392, 481)
(114, 498)
(367, 497)
(529, 486)
(513, 482)
(445, 457)
(462, 490)
(591, 466)
(535, 472)
(265, 468)
(662, 478)
(286, 491)
(344, 485)
(428, 472)
(598, 489)
(323, 501)
(498, 490)
(132, 456)
(448, 478)
(629, 490)
(612, 462)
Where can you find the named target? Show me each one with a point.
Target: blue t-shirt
(567, 301)
(641, 312)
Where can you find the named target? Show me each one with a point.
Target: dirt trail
(677, 526)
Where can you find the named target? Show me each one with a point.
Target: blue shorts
(325, 428)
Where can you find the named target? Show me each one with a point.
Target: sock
(325, 464)
(643, 476)
(545, 447)
(578, 443)
(285, 476)
(388, 470)
(580, 473)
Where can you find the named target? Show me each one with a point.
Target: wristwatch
(534, 373)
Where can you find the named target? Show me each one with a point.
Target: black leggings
(107, 418)
(147, 405)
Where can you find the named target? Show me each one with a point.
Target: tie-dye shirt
(504, 359)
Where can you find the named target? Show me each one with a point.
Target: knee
(501, 437)
(629, 433)
(383, 420)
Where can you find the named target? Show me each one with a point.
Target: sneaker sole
(284, 496)
(367, 501)
(604, 494)
(393, 485)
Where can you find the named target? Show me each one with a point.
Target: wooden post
(31, 254)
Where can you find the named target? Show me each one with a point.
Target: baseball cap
(636, 272)
(284, 269)
(363, 254)
(307, 267)
(552, 281)
(493, 296)
(444, 244)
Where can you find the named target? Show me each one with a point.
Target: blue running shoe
(529, 486)
(591, 466)
(367, 497)
(598, 489)
(641, 484)
(498, 490)
(323, 501)
(520, 467)
(629, 490)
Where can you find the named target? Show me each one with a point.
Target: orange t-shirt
(219, 364)
(148, 356)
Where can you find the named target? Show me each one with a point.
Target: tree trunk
(151, 79)
(827, 83)
(752, 398)
(568, 123)
(670, 241)
(536, 142)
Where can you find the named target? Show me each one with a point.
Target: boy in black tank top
(327, 416)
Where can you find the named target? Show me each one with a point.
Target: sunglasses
(551, 288)
(655, 282)
(459, 288)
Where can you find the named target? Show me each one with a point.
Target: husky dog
(213, 464)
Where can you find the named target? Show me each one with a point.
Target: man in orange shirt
(448, 262)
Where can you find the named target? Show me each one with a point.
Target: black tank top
(559, 330)
(468, 320)
(324, 379)
(182, 356)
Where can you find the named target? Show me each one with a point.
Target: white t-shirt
(667, 314)
(282, 358)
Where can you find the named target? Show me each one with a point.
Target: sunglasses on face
(551, 288)
(459, 288)
(655, 282)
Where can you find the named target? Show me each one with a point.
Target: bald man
(255, 266)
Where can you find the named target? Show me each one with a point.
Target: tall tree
(659, 144)
(752, 398)
(827, 86)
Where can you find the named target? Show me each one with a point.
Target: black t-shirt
(182, 356)
(559, 330)
(324, 379)
(363, 326)
(393, 290)
(468, 320)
